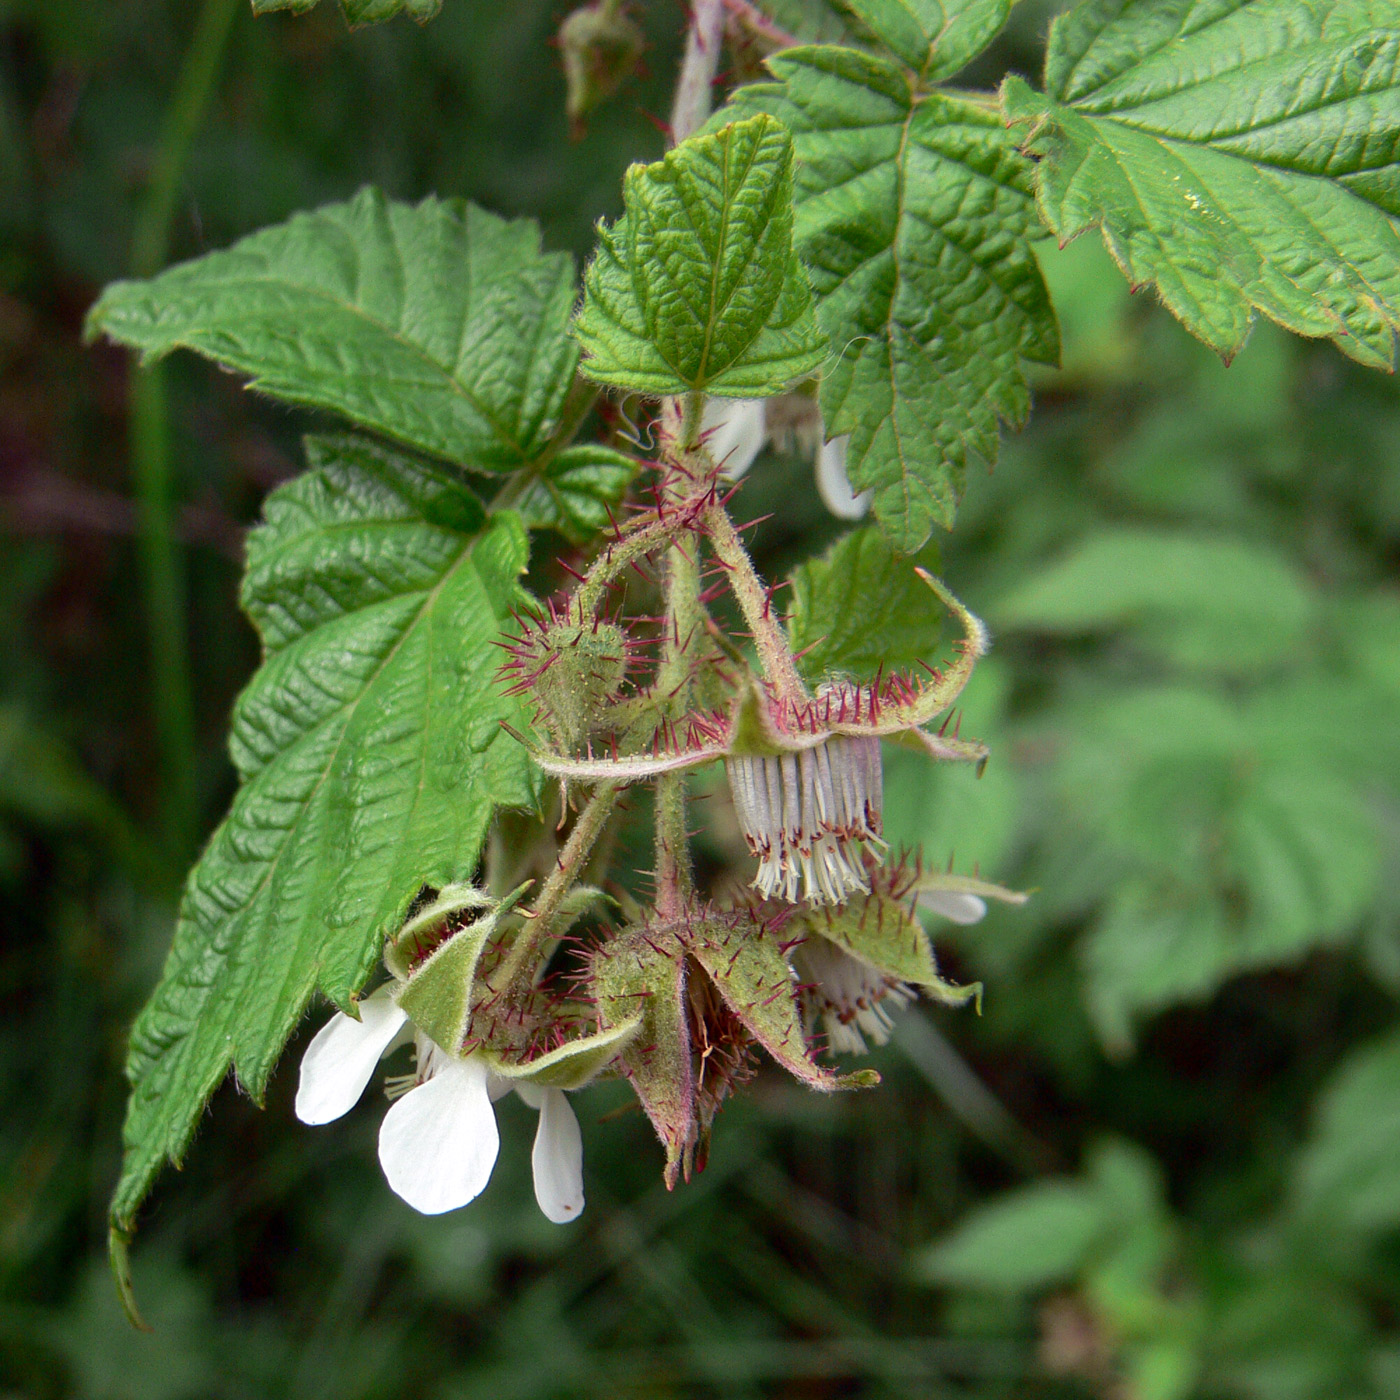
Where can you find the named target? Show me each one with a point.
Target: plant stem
(702, 51)
(149, 439)
(773, 651)
(539, 923)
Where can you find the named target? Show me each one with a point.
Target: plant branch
(703, 43)
(774, 654)
(540, 921)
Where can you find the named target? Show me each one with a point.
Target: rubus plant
(432, 759)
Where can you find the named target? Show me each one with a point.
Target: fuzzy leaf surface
(1238, 154)
(934, 38)
(914, 217)
(861, 605)
(371, 755)
(697, 286)
(436, 324)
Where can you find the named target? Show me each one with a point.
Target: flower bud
(601, 47)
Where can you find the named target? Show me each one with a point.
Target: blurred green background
(1165, 1161)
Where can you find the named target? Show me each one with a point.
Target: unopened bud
(601, 46)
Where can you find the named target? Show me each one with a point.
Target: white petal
(736, 431)
(952, 904)
(340, 1061)
(558, 1159)
(833, 484)
(438, 1143)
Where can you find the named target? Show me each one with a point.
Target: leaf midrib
(358, 312)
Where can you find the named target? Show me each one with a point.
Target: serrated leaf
(1238, 155)
(935, 38)
(697, 287)
(861, 605)
(914, 216)
(437, 324)
(358, 12)
(370, 749)
(574, 492)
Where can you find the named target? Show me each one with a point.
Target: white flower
(960, 907)
(735, 430)
(438, 1142)
(834, 485)
(848, 998)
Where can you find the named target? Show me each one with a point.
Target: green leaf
(358, 12)
(697, 287)
(1205, 600)
(1239, 155)
(1027, 1239)
(371, 753)
(575, 490)
(861, 606)
(1349, 1172)
(932, 37)
(914, 214)
(436, 324)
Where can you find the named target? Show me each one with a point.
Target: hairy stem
(702, 52)
(674, 880)
(774, 654)
(540, 923)
(162, 577)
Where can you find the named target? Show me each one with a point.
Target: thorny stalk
(756, 604)
(539, 924)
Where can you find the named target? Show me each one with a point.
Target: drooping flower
(805, 770)
(860, 963)
(736, 429)
(438, 1142)
(806, 815)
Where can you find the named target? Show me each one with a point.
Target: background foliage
(1161, 1164)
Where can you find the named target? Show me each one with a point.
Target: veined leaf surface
(437, 324)
(1238, 154)
(914, 216)
(371, 754)
(697, 286)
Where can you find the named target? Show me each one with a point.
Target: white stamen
(807, 815)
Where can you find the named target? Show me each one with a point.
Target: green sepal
(635, 975)
(696, 287)
(746, 963)
(575, 490)
(883, 932)
(439, 993)
(454, 900)
(572, 1065)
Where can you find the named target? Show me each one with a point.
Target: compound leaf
(914, 216)
(436, 324)
(371, 754)
(860, 606)
(697, 287)
(1239, 154)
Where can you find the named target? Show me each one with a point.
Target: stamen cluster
(807, 816)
